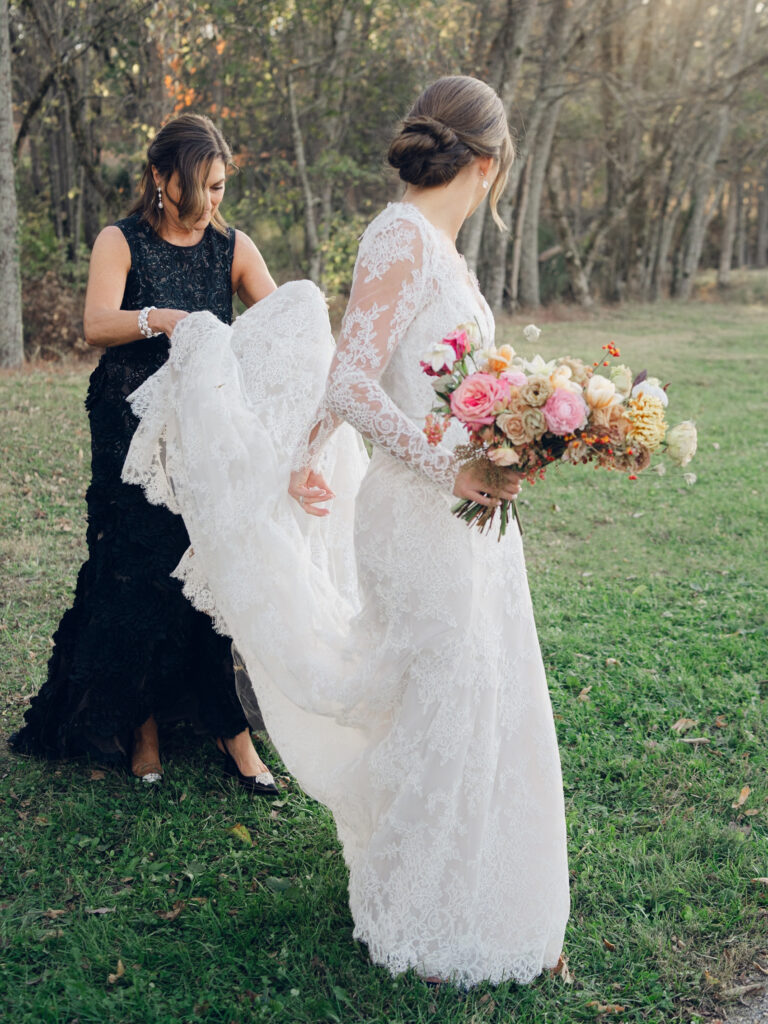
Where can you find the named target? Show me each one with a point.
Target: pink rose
(478, 398)
(459, 342)
(565, 411)
(515, 377)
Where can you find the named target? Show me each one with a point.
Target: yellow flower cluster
(648, 426)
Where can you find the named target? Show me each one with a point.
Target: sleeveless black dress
(132, 645)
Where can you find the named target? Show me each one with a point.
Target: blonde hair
(187, 145)
(454, 120)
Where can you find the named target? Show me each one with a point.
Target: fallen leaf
(56, 933)
(710, 979)
(584, 695)
(560, 970)
(684, 724)
(605, 1007)
(720, 722)
(97, 776)
(612, 661)
(241, 832)
(609, 945)
(100, 910)
(760, 881)
(694, 739)
(742, 797)
(120, 971)
(53, 914)
(752, 812)
(759, 967)
(742, 990)
(41, 820)
(171, 915)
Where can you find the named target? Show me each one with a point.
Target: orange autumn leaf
(742, 797)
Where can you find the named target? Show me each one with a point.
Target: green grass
(668, 580)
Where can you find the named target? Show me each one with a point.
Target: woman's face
(213, 193)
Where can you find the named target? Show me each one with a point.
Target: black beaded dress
(132, 645)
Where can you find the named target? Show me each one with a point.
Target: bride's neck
(446, 207)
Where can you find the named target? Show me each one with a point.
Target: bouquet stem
(475, 514)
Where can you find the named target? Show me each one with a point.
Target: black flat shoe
(262, 784)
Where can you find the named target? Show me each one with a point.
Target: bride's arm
(388, 288)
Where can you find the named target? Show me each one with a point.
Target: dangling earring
(159, 198)
(485, 183)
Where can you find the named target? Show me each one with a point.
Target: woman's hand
(165, 320)
(472, 483)
(309, 488)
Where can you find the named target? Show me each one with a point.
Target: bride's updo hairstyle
(453, 121)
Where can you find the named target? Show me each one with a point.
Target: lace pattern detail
(393, 650)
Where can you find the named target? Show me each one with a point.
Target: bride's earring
(485, 183)
(159, 198)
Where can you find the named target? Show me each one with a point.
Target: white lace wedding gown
(392, 649)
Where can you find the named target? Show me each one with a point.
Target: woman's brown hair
(454, 120)
(187, 145)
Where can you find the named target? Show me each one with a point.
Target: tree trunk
(11, 335)
(529, 264)
(505, 61)
(729, 233)
(314, 254)
(573, 264)
(761, 250)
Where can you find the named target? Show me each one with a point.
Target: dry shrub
(53, 319)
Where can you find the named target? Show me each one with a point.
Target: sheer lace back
(409, 283)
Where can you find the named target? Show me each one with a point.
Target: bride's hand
(472, 483)
(309, 488)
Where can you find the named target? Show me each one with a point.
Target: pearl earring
(485, 183)
(159, 198)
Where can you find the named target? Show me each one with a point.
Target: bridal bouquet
(531, 414)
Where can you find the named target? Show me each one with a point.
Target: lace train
(392, 650)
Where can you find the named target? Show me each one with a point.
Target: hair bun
(427, 151)
(422, 124)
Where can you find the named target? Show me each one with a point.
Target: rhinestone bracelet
(144, 327)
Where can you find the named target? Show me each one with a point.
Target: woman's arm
(251, 279)
(105, 324)
(389, 286)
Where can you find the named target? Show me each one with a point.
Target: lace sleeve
(388, 285)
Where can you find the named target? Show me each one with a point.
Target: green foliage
(668, 580)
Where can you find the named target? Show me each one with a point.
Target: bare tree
(11, 335)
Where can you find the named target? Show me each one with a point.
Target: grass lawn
(122, 904)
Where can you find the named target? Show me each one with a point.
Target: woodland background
(641, 128)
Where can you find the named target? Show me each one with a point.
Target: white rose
(600, 392)
(681, 442)
(647, 387)
(531, 333)
(622, 378)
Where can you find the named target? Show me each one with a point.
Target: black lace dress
(132, 645)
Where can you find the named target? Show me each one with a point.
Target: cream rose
(600, 392)
(531, 333)
(681, 442)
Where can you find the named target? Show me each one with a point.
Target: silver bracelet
(144, 327)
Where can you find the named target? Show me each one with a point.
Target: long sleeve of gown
(389, 283)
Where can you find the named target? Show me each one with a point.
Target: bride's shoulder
(396, 235)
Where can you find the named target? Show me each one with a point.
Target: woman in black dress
(132, 652)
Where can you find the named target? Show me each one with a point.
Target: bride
(392, 649)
